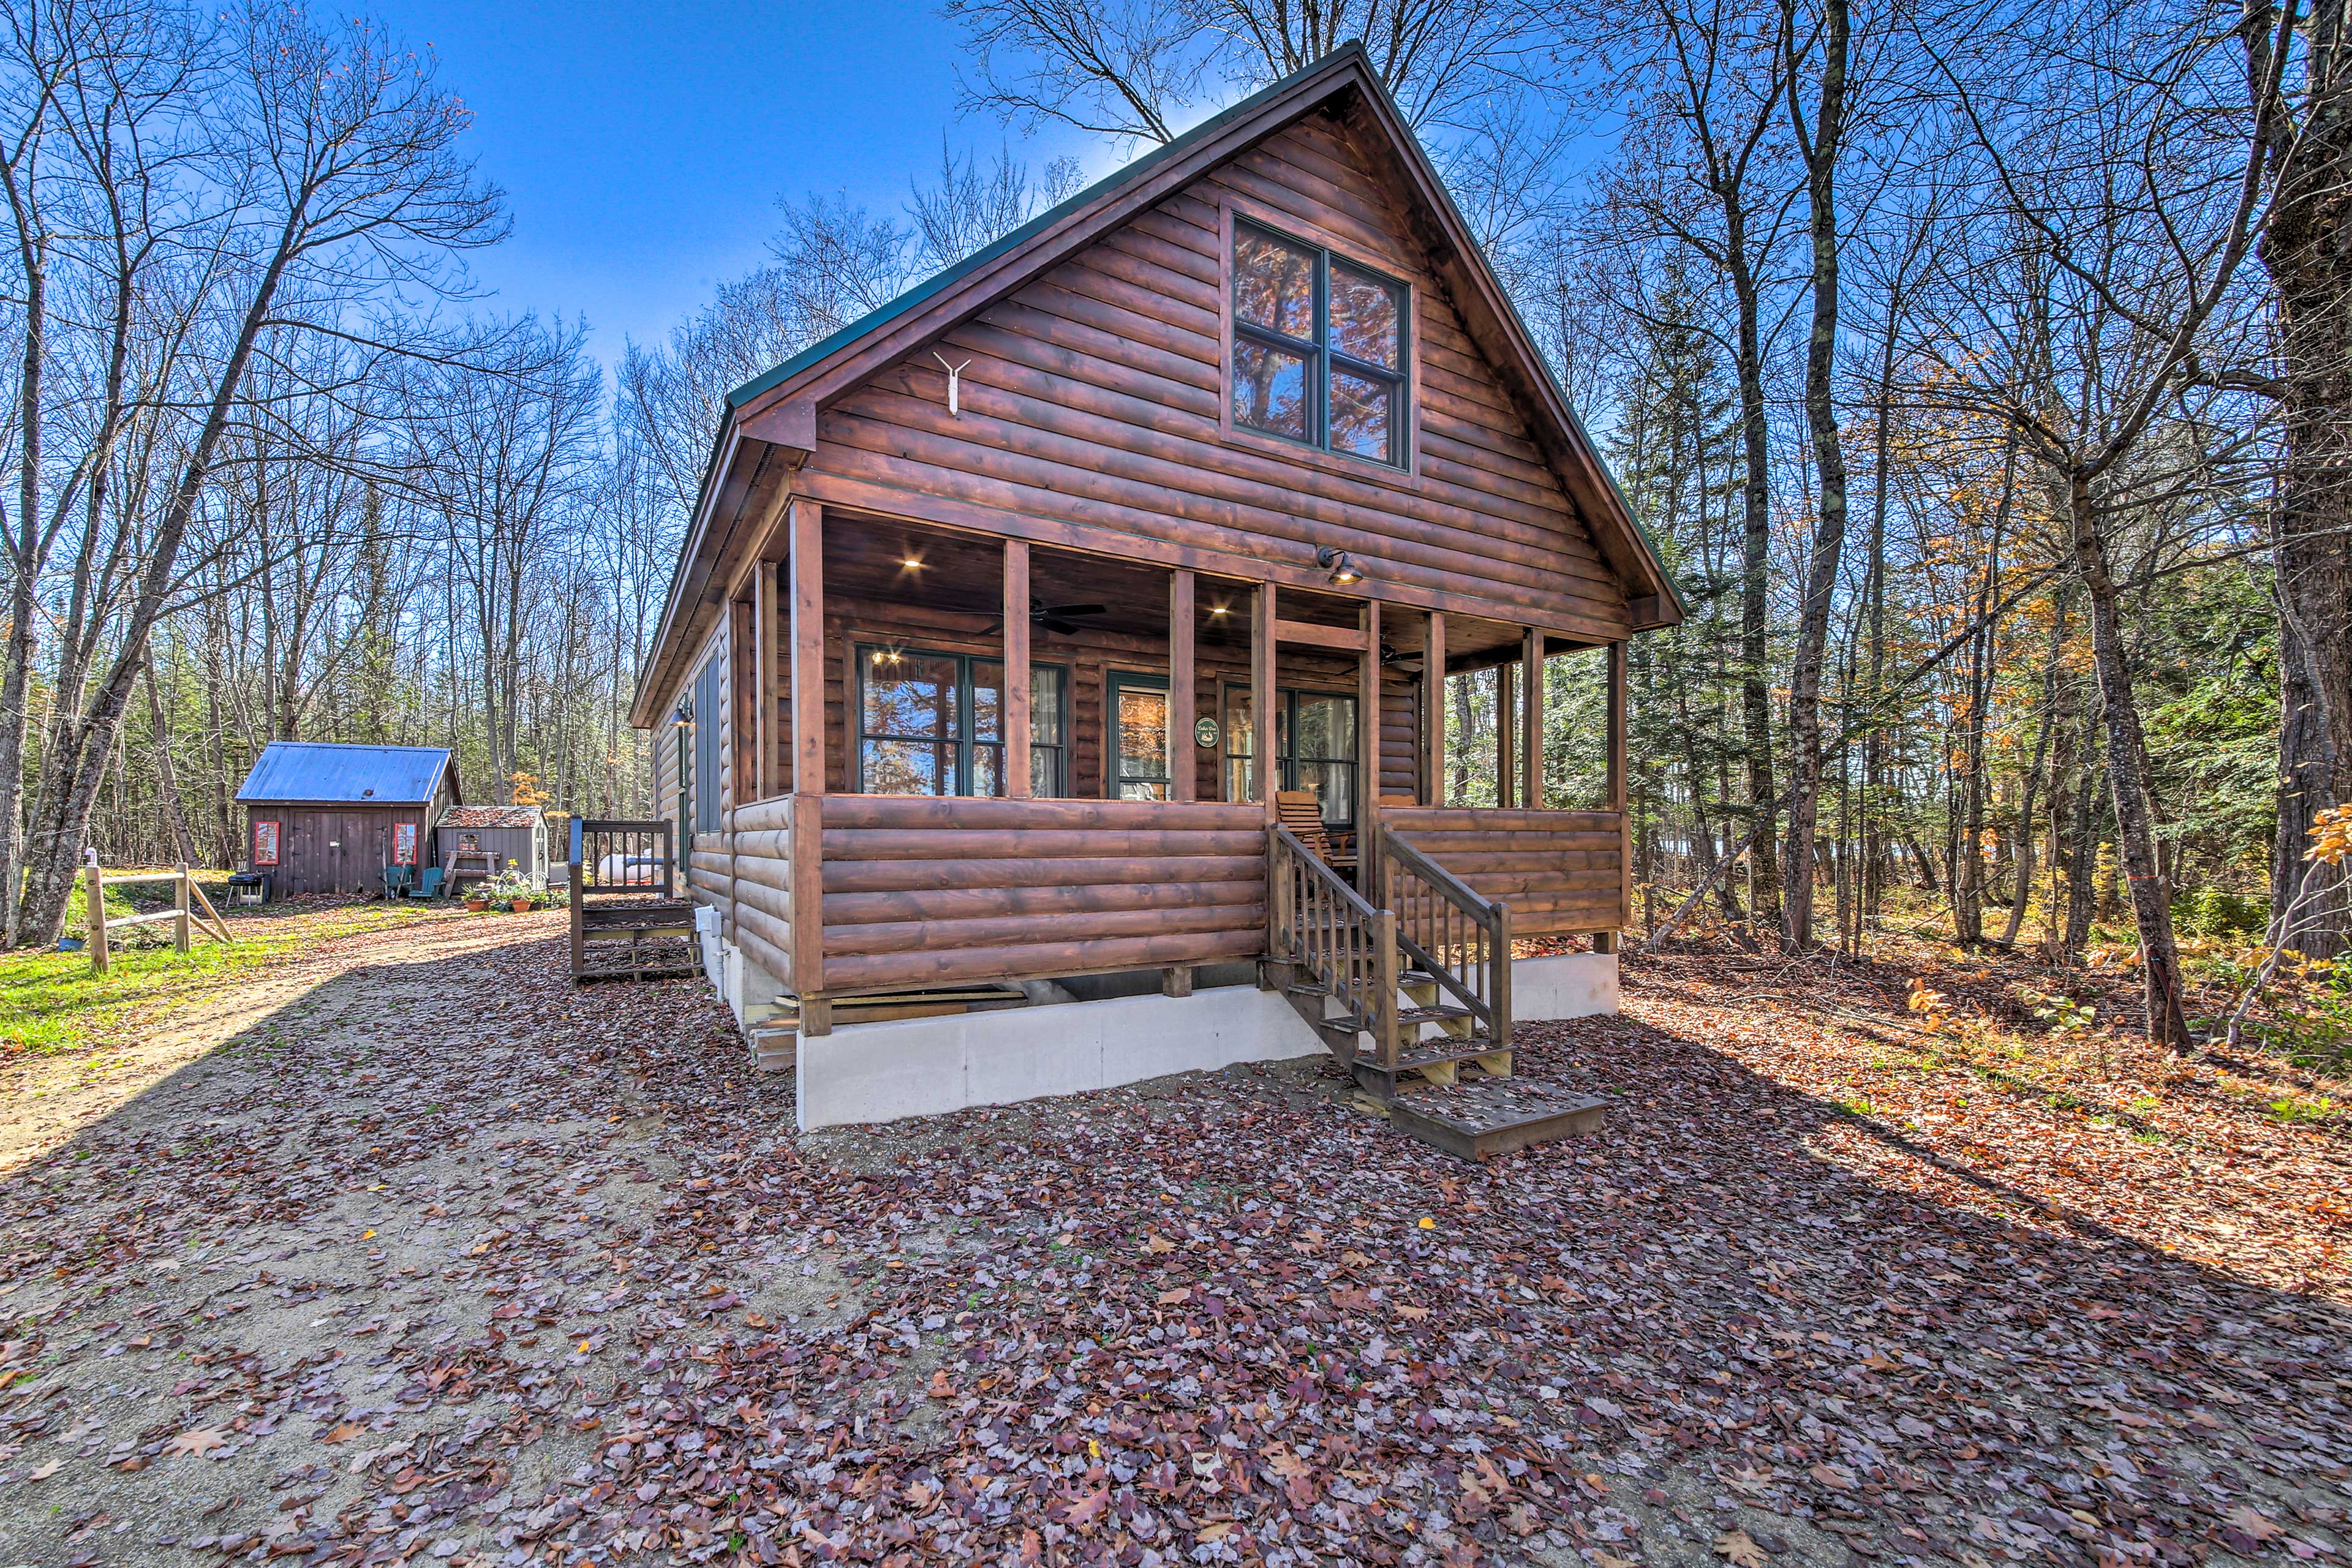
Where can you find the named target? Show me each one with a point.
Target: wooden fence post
(97, 915)
(180, 911)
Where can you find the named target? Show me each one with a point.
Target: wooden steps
(1479, 1119)
(642, 939)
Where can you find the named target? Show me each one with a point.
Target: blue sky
(642, 146)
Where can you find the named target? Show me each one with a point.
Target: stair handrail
(1479, 978)
(1345, 941)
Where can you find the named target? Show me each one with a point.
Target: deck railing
(1345, 946)
(614, 857)
(1462, 940)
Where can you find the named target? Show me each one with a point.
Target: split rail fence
(191, 914)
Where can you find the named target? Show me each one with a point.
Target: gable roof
(770, 425)
(327, 772)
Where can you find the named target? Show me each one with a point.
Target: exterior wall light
(1342, 565)
(684, 717)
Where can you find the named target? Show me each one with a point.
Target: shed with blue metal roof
(326, 817)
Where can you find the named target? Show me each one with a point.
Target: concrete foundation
(921, 1067)
(1565, 986)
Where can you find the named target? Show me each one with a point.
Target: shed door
(300, 855)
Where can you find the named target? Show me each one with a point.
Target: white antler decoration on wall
(953, 371)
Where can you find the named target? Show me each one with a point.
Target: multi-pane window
(1319, 347)
(933, 724)
(1314, 747)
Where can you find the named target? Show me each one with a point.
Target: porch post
(1531, 657)
(1606, 941)
(1262, 698)
(1016, 709)
(1433, 709)
(1504, 724)
(806, 563)
(1368, 750)
(772, 680)
(1183, 761)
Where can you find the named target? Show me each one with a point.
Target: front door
(1137, 706)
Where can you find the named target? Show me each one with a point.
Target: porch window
(1314, 744)
(1319, 347)
(1137, 705)
(933, 724)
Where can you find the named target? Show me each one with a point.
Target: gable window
(1319, 347)
(931, 723)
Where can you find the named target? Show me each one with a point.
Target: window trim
(1318, 452)
(965, 741)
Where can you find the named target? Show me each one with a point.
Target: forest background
(1983, 373)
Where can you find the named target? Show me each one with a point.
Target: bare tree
(503, 452)
(1819, 145)
(2130, 232)
(332, 176)
(1133, 69)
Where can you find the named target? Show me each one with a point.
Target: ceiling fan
(1054, 617)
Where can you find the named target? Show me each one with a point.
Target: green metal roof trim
(817, 352)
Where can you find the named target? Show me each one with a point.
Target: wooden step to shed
(1479, 1119)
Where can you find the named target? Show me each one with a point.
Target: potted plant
(478, 899)
(511, 888)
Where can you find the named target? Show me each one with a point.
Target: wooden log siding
(763, 884)
(1560, 871)
(1091, 402)
(931, 891)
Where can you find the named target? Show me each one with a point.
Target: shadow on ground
(451, 1259)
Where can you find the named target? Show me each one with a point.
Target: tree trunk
(1829, 461)
(2024, 893)
(2127, 778)
(168, 786)
(2307, 247)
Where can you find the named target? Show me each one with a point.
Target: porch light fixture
(1342, 565)
(684, 716)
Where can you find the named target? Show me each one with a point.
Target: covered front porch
(957, 758)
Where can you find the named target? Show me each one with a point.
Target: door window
(1314, 747)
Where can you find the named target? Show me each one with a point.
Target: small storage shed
(327, 819)
(504, 833)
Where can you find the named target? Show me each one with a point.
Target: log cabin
(1052, 688)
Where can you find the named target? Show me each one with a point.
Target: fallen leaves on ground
(454, 1261)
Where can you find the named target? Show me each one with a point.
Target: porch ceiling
(898, 561)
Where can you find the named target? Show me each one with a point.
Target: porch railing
(1346, 948)
(1461, 939)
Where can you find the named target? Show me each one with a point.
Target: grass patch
(52, 1001)
(2295, 1108)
